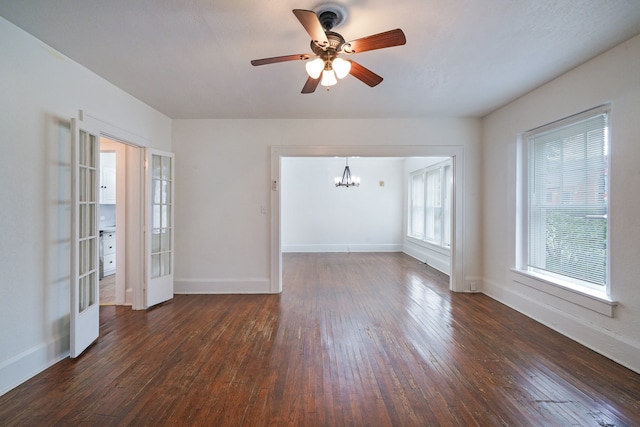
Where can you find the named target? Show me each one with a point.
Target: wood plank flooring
(354, 340)
(107, 287)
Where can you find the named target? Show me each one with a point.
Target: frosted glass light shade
(328, 78)
(341, 67)
(314, 68)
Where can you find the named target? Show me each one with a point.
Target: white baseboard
(222, 286)
(379, 247)
(31, 362)
(433, 259)
(592, 336)
(128, 297)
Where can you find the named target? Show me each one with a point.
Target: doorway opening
(389, 212)
(146, 187)
(455, 153)
(120, 164)
(111, 154)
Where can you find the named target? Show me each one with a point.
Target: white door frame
(135, 208)
(456, 152)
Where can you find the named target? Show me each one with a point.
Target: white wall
(223, 170)
(612, 77)
(40, 90)
(317, 216)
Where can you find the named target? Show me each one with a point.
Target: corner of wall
(597, 338)
(31, 362)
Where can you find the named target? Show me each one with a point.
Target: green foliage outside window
(576, 246)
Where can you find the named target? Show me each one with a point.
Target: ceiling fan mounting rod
(330, 15)
(328, 19)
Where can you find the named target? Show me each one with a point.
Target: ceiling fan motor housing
(335, 44)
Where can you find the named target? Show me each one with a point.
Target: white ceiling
(190, 58)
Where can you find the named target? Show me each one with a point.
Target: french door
(159, 227)
(84, 316)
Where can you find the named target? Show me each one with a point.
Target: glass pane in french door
(87, 223)
(161, 221)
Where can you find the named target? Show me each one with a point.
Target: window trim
(575, 290)
(411, 210)
(588, 298)
(423, 240)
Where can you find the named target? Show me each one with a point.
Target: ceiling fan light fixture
(315, 68)
(328, 78)
(341, 67)
(327, 45)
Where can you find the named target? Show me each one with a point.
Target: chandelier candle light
(347, 179)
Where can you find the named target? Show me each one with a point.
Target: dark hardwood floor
(354, 339)
(107, 287)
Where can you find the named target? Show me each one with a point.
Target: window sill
(591, 299)
(428, 245)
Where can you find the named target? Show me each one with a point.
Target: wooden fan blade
(364, 74)
(311, 23)
(311, 85)
(377, 41)
(264, 61)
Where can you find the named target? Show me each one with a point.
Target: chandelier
(347, 179)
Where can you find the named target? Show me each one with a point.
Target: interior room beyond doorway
(318, 216)
(112, 220)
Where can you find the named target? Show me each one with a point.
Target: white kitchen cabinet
(108, 252)
(108, 178)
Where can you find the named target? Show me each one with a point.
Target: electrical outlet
(473, 286)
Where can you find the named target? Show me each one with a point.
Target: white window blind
(434, 203)
(567, 199)
(417, 206)
(446, 216)
(430, 204)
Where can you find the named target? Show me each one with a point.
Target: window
(566, 195)
(430, 204)
(416, 228)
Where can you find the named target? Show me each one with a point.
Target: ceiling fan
(328, 46)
